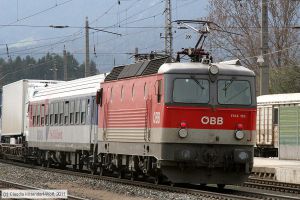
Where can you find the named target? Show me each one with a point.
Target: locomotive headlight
(183, 133)
(239, 135)
(213, 69)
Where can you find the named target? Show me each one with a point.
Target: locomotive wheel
(48, 163)
(39, 161)
(93, 169)
(221, 186)
(157, 179)
(80, 166)
(133, 176)
(120, 174)
(62, 166)
(101, 171)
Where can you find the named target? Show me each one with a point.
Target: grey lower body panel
(192, 163)
(203, 175)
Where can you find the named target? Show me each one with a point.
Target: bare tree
(243, 18)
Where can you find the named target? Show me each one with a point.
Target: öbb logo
(212, 120)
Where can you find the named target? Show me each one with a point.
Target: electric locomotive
(184, 122)
(178, 122)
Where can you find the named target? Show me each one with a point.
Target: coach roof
(225, 68)
(78, 87)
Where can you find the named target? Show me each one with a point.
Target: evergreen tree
(43, 68)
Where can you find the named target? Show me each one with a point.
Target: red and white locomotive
(169, 121)
(187, 122)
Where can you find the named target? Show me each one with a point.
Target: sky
(24, 27)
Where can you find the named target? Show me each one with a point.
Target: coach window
(132, 92)
(38, 115)
(66, 112)
(46, 115)
(51, 114)
(77, 111)
(122, 92)
(42, 114)
(72, 112)
(56, 113)
(83, 111)
(33, 115)
(61, 113)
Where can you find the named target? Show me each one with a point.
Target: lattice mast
(168, 29)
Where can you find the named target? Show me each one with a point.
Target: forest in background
(12, 70)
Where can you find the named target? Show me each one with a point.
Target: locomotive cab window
(191, 90)
(234, 92)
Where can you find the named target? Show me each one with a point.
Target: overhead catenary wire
(76, 37)
(37, 13)
(82, 27)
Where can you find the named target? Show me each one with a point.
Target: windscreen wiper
(198, 83)
(227, 85)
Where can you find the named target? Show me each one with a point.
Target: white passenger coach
(63, 121)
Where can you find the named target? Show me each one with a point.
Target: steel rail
(272, 185)
(204, 192)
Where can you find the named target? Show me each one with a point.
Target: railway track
(200, 191)
(11, 185)
(272, 185)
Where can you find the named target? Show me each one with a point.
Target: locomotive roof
(225, 68)
(78, 87)
(289, 98)
(137, 69)
(163, 66)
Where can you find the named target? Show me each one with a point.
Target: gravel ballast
(84, 187)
